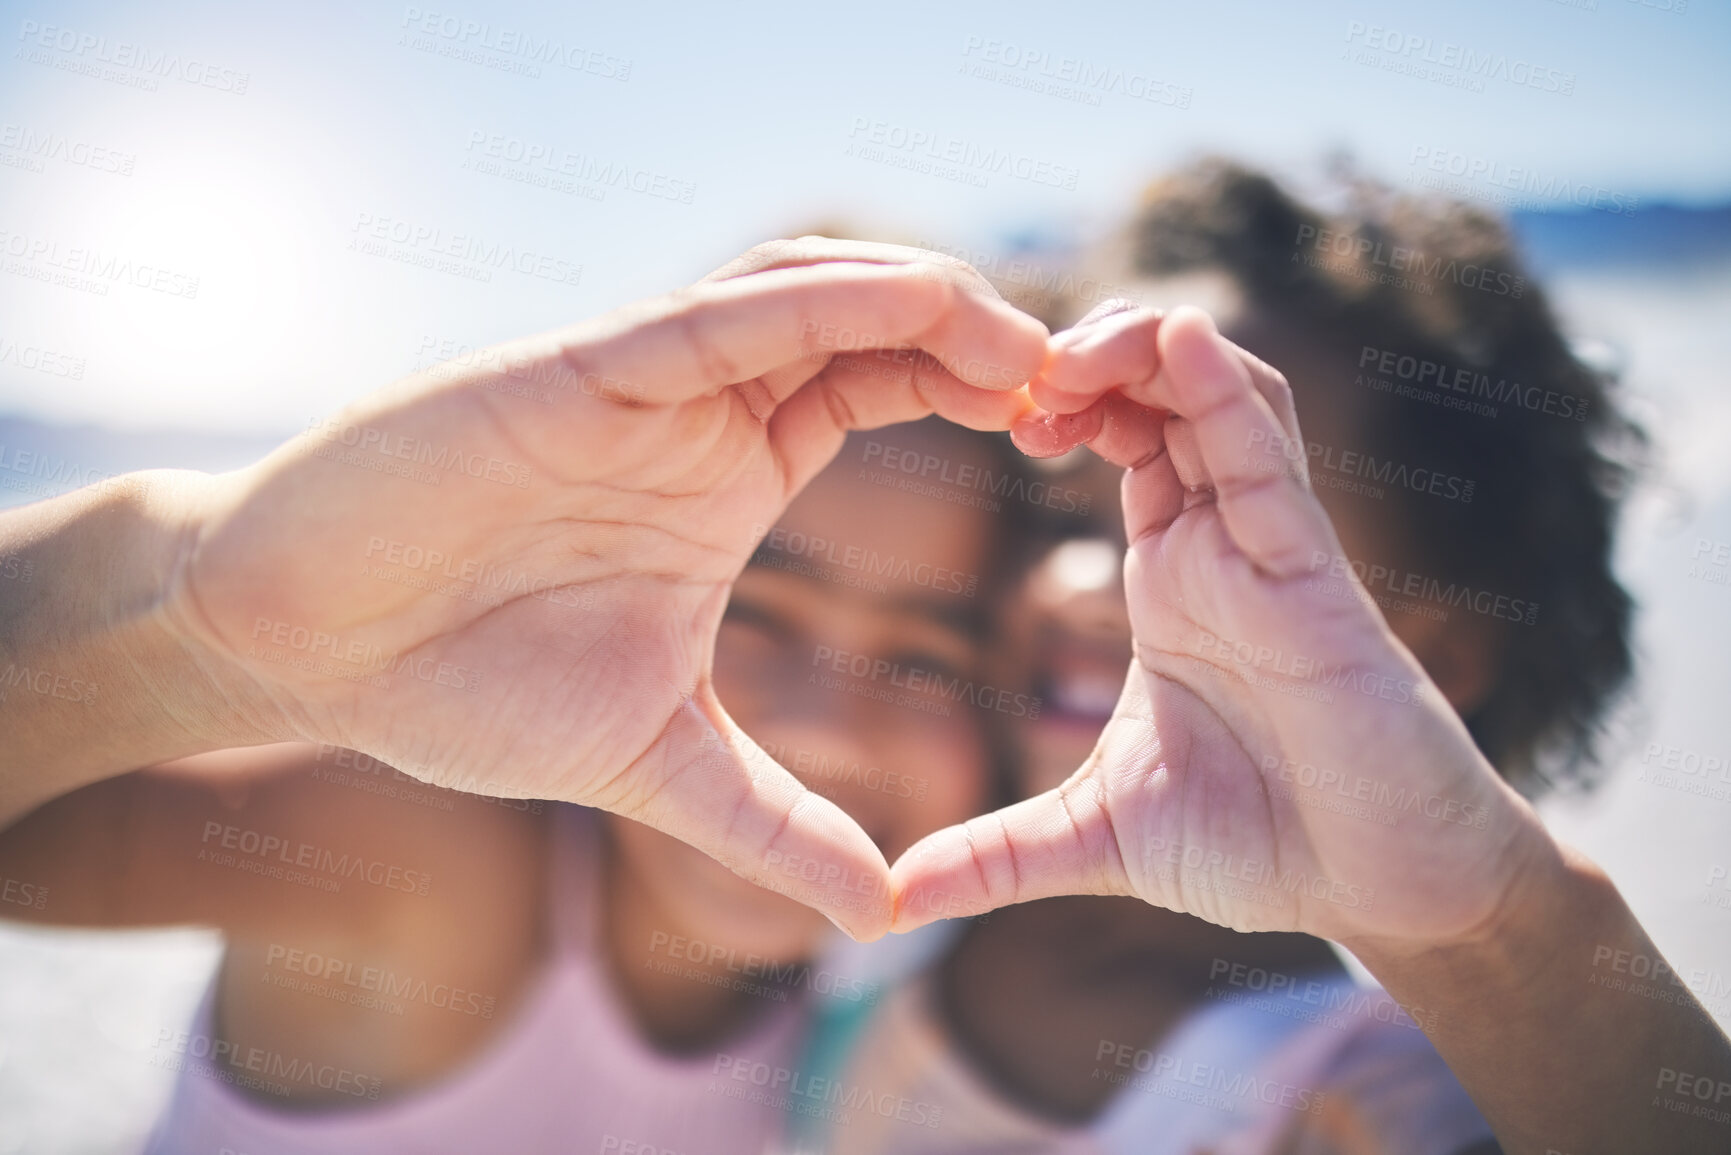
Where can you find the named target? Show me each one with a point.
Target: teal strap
(829, 1043)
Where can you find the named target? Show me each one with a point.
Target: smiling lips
(1080, 682)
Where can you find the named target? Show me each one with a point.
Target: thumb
(707, 784)
(1059, 842)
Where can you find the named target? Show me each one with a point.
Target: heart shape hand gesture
(508, 576)
(1261, 668)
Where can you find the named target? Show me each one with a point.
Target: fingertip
(869, 933)
(1041, 433)
(1185, 318)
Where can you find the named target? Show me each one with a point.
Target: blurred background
(217, 225)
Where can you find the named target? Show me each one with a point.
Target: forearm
(96, 676)
(1539, 1021)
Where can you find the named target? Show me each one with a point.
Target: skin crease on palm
(618, 701)
(928, 766)
(1222, 547)
(1114, 964)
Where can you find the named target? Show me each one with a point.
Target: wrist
(1552, 896)
(102, 673)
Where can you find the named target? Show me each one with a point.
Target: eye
(743, 612)
(931, 661)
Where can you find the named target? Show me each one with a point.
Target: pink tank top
(569, 1074)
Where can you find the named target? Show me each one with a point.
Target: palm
(1209, 769)
(554, 638)
(1251, 680)
(572, 617)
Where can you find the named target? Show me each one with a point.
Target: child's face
(1066, 629)
(847, 652)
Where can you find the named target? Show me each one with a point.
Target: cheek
(700, 898)
(740, 692)
(951, 768)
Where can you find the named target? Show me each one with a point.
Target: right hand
(349, 605)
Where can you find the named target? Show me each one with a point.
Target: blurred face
(1068, 632)
(841, 654)
(1067, 639)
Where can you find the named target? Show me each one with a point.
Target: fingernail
(1045, 434)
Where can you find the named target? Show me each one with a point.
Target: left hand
(1258, 666)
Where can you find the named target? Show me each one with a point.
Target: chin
(747, 917)
(702, 899)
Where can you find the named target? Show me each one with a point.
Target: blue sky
(361, 122)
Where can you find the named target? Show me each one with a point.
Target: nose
(832, 756)
(1081, 585)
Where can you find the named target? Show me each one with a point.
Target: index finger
(698, 340)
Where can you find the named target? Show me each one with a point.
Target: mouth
(1079, 684)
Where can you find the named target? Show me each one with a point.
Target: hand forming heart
(536, 613)
(507, 576)
(1256, 654)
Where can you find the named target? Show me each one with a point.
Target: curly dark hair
(1440, 286)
